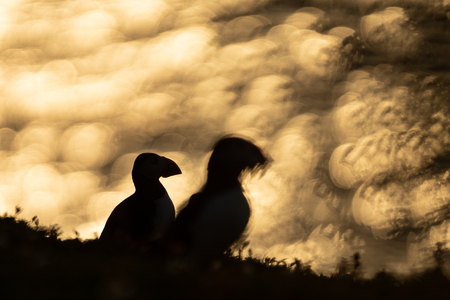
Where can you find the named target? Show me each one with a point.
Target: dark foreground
(35, 264)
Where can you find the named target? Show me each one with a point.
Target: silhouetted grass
(35, 264)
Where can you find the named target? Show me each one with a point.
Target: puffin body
(145, 216)
(210, 226)
(218, 215)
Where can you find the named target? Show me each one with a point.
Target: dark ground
(35, 264)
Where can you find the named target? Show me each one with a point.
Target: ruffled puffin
(146, 215)
(217, 216)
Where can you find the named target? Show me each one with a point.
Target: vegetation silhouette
(148, 213)
(35, 263)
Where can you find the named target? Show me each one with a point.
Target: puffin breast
(222, 220)
(229, 210)
(163, 216)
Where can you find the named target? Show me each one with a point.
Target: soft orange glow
(85, 86)
(91, 145)
(398, 40)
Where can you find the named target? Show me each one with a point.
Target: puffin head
(233, 155)
(152, 166)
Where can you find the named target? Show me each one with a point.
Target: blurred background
(350, 99)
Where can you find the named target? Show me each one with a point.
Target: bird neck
(218, 183)
(152, 189)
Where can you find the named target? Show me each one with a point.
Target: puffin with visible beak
(217, 216)
(146, 215)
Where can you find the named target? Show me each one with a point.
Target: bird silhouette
(146, 215)
(216, 217)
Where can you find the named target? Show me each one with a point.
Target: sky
(349, 99)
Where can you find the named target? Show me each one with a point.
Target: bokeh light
(349, 98)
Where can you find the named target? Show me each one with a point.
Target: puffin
(218, 214)
(146, 215)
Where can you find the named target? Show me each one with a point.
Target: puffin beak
(262, 165)
(170, 169)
